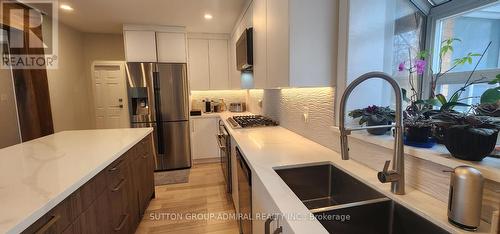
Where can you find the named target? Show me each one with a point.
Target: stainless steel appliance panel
(174, 151)
(140, 91)
(244, 194)
(172, 90)
(224, 142)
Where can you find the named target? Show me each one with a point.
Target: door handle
(118, 106)
(219, 143)
(267, 225)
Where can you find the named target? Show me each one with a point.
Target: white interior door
(110, 95)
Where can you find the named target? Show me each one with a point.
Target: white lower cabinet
(203, 141)
(265, 213)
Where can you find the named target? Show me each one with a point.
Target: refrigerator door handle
(159, 125)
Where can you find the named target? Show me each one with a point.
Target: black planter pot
(377, 131)
(439, 132)
(472, 144)
(418, 134)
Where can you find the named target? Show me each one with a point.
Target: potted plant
(469, 137)
(374, 116)
(490, 100)
(417, 118)
(418, 126)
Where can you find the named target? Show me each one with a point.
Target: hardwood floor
(183, 208)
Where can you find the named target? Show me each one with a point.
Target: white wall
(9, 126)
(99, 47)
(368, 36)
(68, 86)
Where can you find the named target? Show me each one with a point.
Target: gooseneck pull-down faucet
(396, 176)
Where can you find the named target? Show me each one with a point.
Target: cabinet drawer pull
(122, 223)
(119, 186)
(145, 155)
(267, 225)
(49, 224)
(116, 166)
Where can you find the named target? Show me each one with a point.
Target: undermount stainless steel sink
(343, 204)
(325, 185)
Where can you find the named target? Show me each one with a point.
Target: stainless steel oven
(224, 142)
(244, 194)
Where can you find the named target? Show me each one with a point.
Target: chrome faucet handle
(386, 166)
(387, 175)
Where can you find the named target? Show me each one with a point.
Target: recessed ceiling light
(66, 7)
(208, 16)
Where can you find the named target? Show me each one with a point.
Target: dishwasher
(244, 194)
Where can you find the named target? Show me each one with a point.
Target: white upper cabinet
(278, 43)
(219, 68)
(295, 43)
(208, 61)
(313, 43)
(234, 74)
(199, 67)
(171, 47)
(259, 43)
(140, 46)
(150, 43)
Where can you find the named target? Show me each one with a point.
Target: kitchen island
(77, 180)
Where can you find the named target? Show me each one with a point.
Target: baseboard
(206, 160)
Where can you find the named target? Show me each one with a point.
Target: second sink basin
(343, 204)
(325, 185)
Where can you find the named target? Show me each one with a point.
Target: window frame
(446, 10)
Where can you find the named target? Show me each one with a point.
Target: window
(381, 35)
(475, 28)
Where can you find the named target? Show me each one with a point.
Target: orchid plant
(418, 66)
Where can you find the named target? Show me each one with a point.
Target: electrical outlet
(306, 114)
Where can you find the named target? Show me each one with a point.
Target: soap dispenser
(465, 197)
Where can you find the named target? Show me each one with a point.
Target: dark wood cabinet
(143, 163)
(113, 201)
(94, 219)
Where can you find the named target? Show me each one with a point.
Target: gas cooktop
(251, 121)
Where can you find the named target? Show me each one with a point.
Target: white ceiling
(108, 16)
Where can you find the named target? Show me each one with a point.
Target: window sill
(489, 167)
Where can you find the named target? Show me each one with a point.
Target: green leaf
(441, 98)
(432, 102)
(491, 95)
(423, 54)
(363, 120)
(454, 97)
(451, 105)
(498, 76)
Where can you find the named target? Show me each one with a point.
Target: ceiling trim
(156, 28)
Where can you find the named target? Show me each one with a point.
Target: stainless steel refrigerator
(159, 98)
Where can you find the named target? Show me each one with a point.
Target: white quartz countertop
(37, 175)
(268, 148)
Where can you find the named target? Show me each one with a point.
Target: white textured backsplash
(289, 105)
(228, 96)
